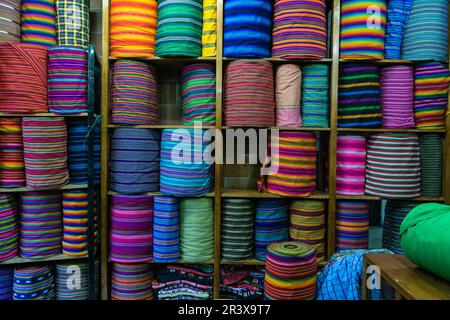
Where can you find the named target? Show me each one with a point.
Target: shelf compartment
(60, 257)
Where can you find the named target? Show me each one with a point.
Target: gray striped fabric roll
(431, 163)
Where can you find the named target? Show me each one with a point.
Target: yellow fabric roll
(209, 33)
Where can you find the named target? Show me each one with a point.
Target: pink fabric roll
(350, 165)
(287, 95)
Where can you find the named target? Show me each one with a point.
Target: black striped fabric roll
(431, 165)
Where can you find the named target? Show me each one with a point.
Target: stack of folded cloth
(242, 283)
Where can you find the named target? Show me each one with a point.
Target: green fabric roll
(431, 163)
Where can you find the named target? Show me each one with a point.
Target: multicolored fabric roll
(131, 236)
(72, 281)
(209, 28)
(166, 229)
(40, 224)
(359, 96)
(288, 84)
(247, 28)
(291, 272)
(34, 283)
(315, 95)
(393, 166)
(299, 29)
(307, 224)
(431, 165)
(185, 174)
(38, 22)
(134, 163)
(196, 229)
(10, 11)
(249, 94)
(350, 165)
(397, 14)
(9, 231)
(45, 151)
(179, 30)
(132, 281)
(426, 31)
(237, 229)
(431, 95)
(133, 28)
(12, 167)
(67, 80)
(397, 97)
(198, 94)
(75, 240)
(6, 283)
(363, 26)
(352, 225)
(72, 22)
(134, 93)
(23, 78)
(271, 224)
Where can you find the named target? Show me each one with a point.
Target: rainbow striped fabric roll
(397, 14)
(9, 232)
(363, 26)
(166, 229)
(299, 29)
(393, 166)
(67, 80)
(307, 224)
(6, 283)
(131, 237)
(209, 28)
(134, 93)
(315, 95)
(431, 95)
(350, 165)
(288, 81)
(291, 272)
(72, 21)
(12, 167)
(10, 21)
(38, 22)
(133, 28)
(68, 289)
(45, 151)
(34, 283)
(198, 94)
(132, 281)
(75, 240)
(431, 164)
(352, 225)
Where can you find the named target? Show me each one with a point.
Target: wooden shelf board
(209, 262)
(60, 257)
(46, 114)
(208, 195)
(66, 187)
(171, 59)
(382, 130)
(274, 59)
(281, 128)
(156, 126)
(244, 193)
(385, 61)
(373, 198)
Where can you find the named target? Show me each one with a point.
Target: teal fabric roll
(315, 95)
(431, 165)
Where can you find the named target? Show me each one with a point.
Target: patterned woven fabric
(352, 225)
(75, 240)
(198, 94)
(10, 21)
(350, 165)
(431, 165)
(315, 95)
(359, 96)
(134, 93)
(179, 30)
(34, 283)
(397, 14)
(291, 272)
(166, 229)
(6, 283)
(133, 28)
(288, 82)
(45, 151)
(72, 22)
(363, 26)
(249, 94)
(393, 166)
(72, 281)
(247, 28)
(38, 22)
(67, 80)
(132, 281)
(23, 78)
(9, 232)
(12, 167)
(299, 29)
(209, 28)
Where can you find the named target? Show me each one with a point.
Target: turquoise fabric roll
(315, 95)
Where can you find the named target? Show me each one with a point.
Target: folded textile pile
(241, 283)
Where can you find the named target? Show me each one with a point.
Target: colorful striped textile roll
(271, 224)
(12, 167)
(249, 99)
(350, 165)
(72, 23)
(38, 22)
(198, 94)
(363, 26)
(315, 95)
(23, 78)
(296, 165)
(291, 272)
(72, 280)
(133, 28)
(397, 14)
(166, 229)
(9, 231)
(10, 21)
(40, 224)
(75, 240)
(179, 30)
(393, 166)
(131, 237)
(134, 163)
(431, 95)
(247, 28)
(196, 229)
(45, 151)
(307, 224)
(34, 283)
(67, 80)
(132, 281)
(352, 225)
(209, 28)
(299, 29)
(359, 96)
(426, 32)
(288, 84)
(397, 97)
(6, 283)
(237, 229)
(431, 165)
(185, 174)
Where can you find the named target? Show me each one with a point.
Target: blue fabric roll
(397, 14)
(166, 229)
(34, 283)
(315, 83)
(6, 283)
